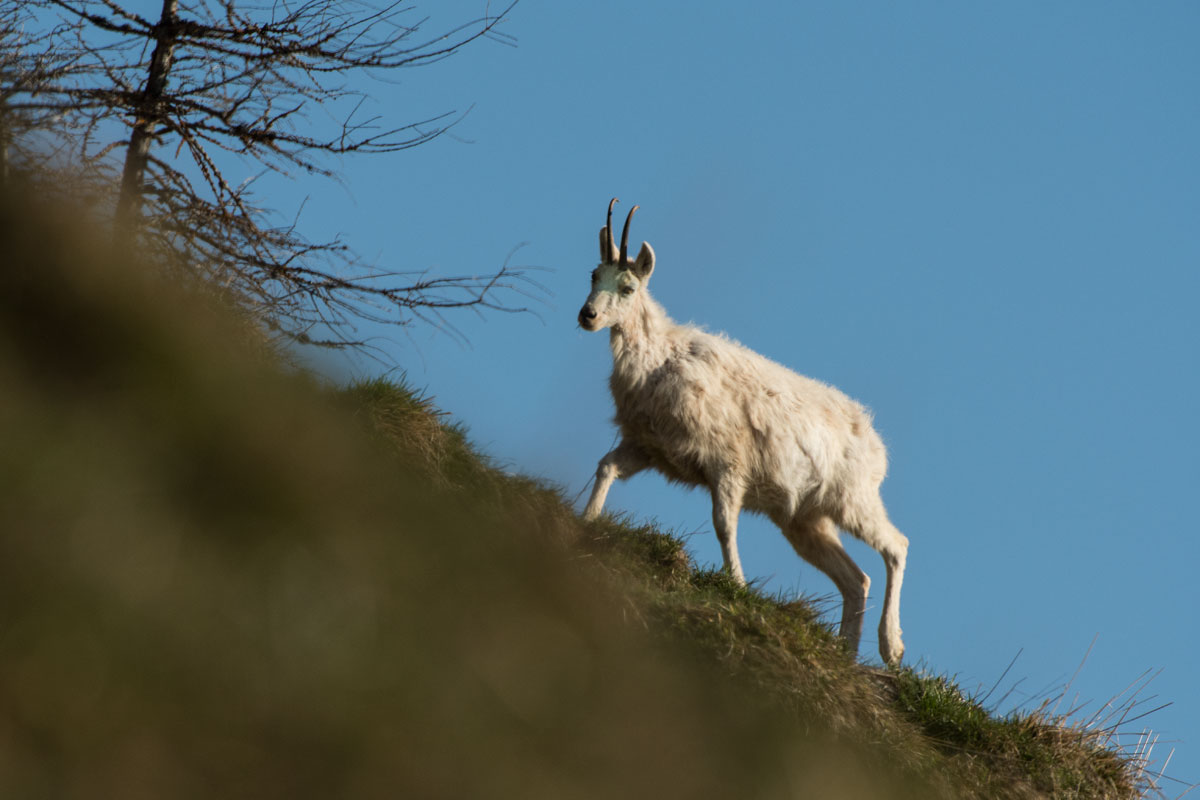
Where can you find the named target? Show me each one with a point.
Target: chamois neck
(642, 335)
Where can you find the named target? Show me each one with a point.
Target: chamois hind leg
(868, 521)
(727, 496)
(622, 461)
(816, 541)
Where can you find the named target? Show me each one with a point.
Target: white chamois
(705, 411)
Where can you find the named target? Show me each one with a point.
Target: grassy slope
(217, 579)
(921, 726)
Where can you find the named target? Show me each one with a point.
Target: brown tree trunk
(149, 113)
(3, 152)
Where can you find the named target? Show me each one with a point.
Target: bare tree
(211, 82)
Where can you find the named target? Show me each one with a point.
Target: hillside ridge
(220, 578)
(779, 649)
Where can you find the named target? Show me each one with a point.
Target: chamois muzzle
(587, 315)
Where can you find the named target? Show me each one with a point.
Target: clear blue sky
(981, 220)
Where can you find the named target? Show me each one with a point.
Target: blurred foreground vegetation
(221, 579)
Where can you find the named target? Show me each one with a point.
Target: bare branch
(178, 96)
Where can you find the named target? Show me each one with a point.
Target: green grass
(219, 579)
(1059, 758)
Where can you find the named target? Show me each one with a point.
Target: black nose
(587, 313)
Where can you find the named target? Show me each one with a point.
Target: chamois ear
(608, 250)
(645, 262)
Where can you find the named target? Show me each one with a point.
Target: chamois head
(617, 283)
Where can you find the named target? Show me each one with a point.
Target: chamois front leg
(727, 494)
(622, 461)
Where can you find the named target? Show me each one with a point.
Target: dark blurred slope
(213, 584)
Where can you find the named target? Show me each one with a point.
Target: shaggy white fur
(705, 411)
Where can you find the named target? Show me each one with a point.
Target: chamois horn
(608, 227)
(625, 237)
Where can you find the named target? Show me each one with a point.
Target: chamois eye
(626, 290)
